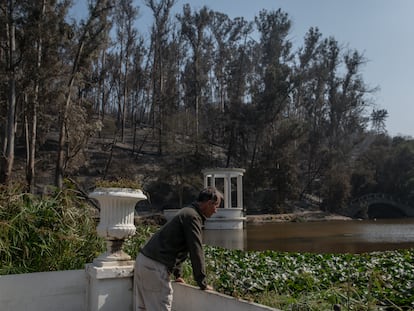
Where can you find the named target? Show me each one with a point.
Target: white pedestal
(110, 288)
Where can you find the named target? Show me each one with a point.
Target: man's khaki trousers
(152, 287)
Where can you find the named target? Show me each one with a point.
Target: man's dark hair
(209, 193)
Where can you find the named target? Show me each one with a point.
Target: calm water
(319, 237)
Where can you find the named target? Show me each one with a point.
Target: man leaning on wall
(164, 253)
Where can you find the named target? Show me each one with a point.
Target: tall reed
(52, 232)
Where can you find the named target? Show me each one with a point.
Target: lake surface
(352, 236)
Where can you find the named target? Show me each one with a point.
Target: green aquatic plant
(380, 279)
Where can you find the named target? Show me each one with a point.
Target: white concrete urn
(117, 207)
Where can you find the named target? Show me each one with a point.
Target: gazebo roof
(223, 172)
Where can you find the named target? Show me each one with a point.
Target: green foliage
(55, 232)
(314, 281)
(336, 189)
(386, 167)
(134, 244)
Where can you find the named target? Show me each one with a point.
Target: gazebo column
(227, 191)
(239, 191)
(212, 179)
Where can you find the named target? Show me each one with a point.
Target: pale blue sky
(381, 29)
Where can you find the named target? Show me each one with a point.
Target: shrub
(54, 232)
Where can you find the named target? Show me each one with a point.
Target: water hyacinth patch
(380, 279)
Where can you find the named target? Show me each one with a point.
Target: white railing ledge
(190, 298)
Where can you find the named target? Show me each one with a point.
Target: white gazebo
(229, 217)
(232, 215)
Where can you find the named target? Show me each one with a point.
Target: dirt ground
(296, 217)
(303, 216)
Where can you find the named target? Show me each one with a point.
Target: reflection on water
(319, 237)
(230, 239)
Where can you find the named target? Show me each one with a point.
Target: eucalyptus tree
(272, 136)
(198, 63)
(378, 118)
(348, 101)
(10, 69)
(309, 94)
(230, 66)
(347, 120)
(39, 27)
(228, 36)
(172, 89)
(138, 86)
(86, 45)
(126, 37)
(101, 72)
(331, 100)
(161, 34)
(45, 33)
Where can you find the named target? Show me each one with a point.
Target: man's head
(209, 200)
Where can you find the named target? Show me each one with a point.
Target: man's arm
(193, 236)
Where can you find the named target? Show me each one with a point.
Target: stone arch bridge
(379, 205)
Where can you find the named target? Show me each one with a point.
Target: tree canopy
(301, 121)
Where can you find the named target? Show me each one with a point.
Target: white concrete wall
(45, 291)
(189, 298)
(66, 291)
